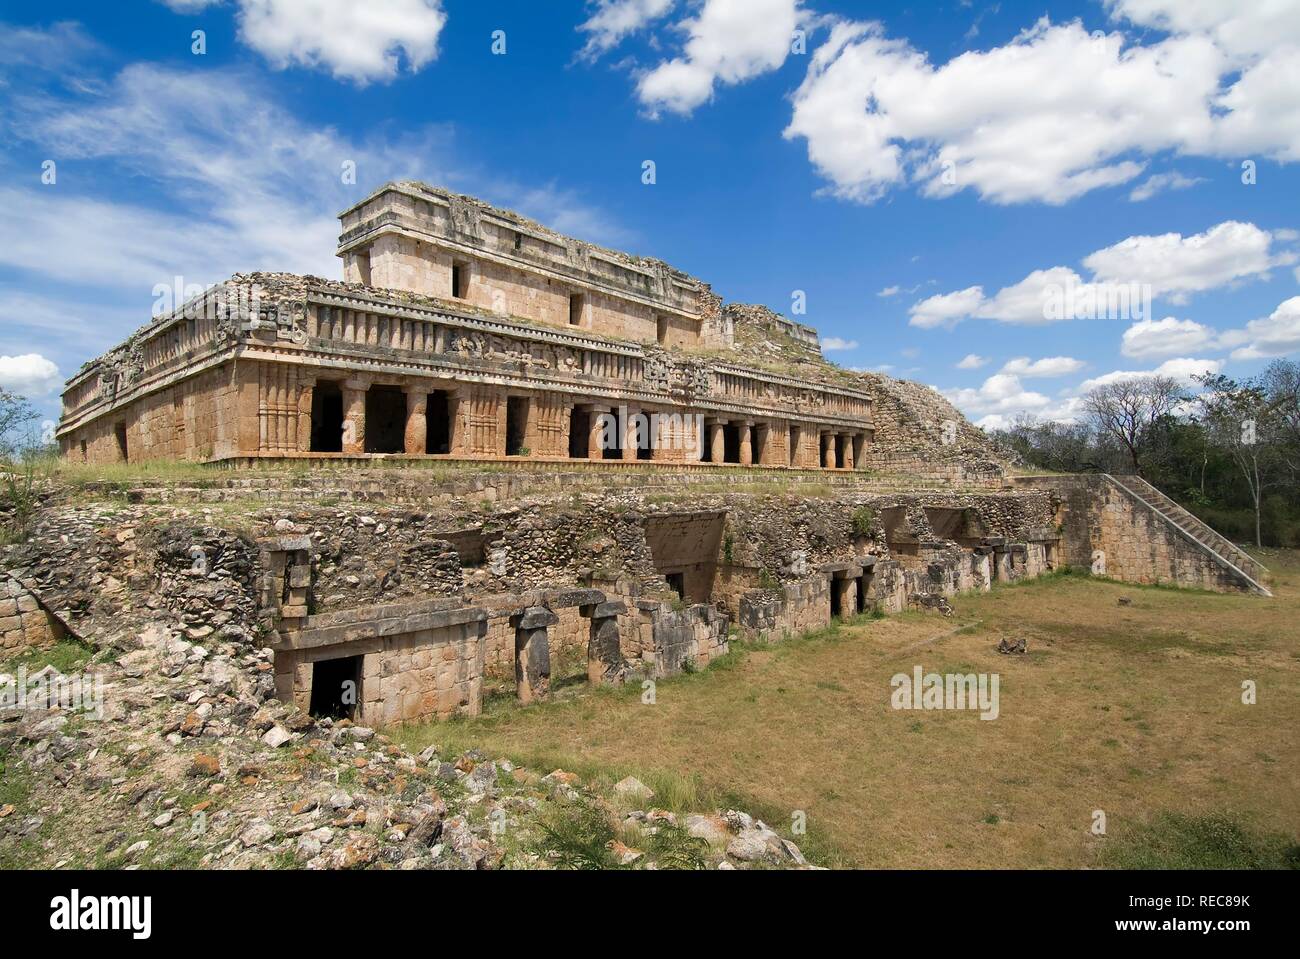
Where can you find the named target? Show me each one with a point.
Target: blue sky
(925, 174)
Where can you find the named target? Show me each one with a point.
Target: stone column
(717, 442)
(847, 589)
(746, 443)
(354, 416)
(847, 440)
(827, 441)
(595, 434)
(533, 654)
(306, 390)
(417, 420)
(605, 662)
(630, 433)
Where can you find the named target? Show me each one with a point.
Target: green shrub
(863, 519)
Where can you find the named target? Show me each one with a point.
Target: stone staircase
(1226, 552)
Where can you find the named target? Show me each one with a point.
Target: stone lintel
(536, 617)
(608, 609)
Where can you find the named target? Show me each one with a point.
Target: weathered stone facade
(467, 332)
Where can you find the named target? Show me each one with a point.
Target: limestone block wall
(567, 642)
(1104, 528)
(694, 636)
(194, 419)
(24, 625)
(426, 674)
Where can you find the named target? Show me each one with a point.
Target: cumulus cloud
(972, 361)
(29, 375)
(1056, 112)
(614, 20)
(1174, 265)
(1275, 335)
(946, 309)
(361, 42)
(1000, 393)
(834, 343)
(1049, 366)
(1165, 337)
(1183, 369)
(729, 42)
(1125, 277)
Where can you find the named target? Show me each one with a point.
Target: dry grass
(1134, 710)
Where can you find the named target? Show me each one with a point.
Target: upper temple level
(421, 239)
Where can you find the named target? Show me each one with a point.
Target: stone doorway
(327, 418)
(385, 420)
(516, 426)
(438, 419)
(336, 687)
(579, 433)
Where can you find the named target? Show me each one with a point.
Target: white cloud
(1276, 335)
(834, 343)
(361, 42)
(1047, 367)
(729, 42)
(1165, 337)
(614, 20)
(889, 291)
(946, 309)
(1161, 182)
(29, 375)
(972, 361)
(188, 6)
(1183, 369)
(1057, 111)
(1002, 398)
(1174, 265)
(1126, 277)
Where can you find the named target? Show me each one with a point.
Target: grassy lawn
(1134, 710)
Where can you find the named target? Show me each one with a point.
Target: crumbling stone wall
(24, 624)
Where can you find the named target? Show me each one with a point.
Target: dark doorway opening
(677, 582)
(731, 443)
(579, 433)
(837, 609)
(575, 309)
(438, 418)
(758, 438)
(460, 280)
(840, 458)
(336, 687)
(611, 437)
(122, 451)
(516, 425)
(661, 330)
(863, 592)
(385, 420)
(327, 418)
(644, 441)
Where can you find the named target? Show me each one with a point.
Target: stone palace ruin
(611, 472)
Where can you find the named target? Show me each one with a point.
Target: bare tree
(1129, 411)
(16, 416)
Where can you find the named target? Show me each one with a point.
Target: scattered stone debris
(1017, 648)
